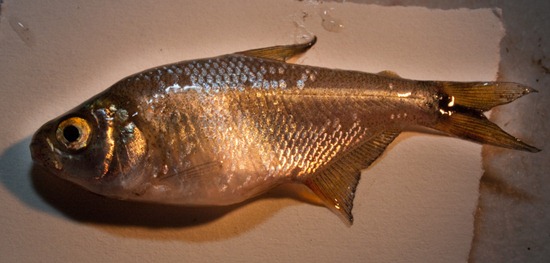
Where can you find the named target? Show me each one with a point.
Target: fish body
(221, 130)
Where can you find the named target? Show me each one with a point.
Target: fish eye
(73, 133)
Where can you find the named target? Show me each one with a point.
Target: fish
(221, 130)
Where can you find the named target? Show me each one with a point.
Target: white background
(416, 204)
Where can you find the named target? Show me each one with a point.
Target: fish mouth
(36, 154)
(36, 148)
(43, 152)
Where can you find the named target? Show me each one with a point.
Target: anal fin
(336, 184)
(280, 53)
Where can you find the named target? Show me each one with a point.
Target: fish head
(96, 145)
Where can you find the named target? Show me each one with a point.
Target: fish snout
(35, 146)
(43, 150)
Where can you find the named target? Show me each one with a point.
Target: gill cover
(119, 140)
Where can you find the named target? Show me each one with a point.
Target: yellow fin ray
(280, 53)
(335, 185)
(484, 95)
(389, 74)
(476, 127)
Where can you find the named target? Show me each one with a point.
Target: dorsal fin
(335, 185)
(389, 74)
(281, 53)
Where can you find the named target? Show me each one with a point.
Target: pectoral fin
(280, 53)
(197, 171)
(336, 184)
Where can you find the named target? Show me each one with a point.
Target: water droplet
(301, 34)
(330, 23)
(22, 30)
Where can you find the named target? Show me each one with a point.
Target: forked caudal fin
(462, 106)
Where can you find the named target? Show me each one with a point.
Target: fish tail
(461, 106)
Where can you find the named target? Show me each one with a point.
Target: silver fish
(221, 130)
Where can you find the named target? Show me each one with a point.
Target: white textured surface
(415, 204)
(511, 222)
